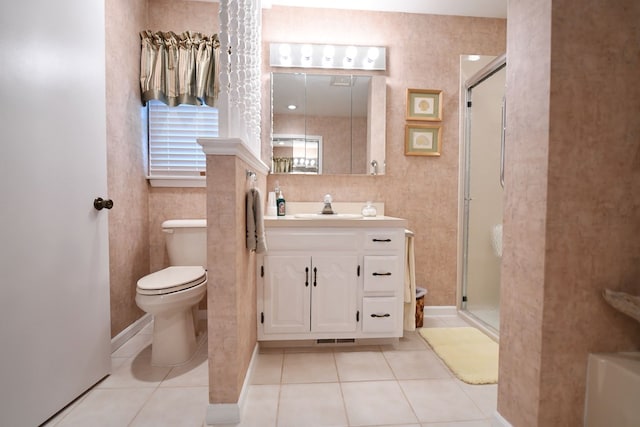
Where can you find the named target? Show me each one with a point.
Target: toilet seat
(171, 279)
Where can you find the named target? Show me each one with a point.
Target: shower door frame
(483, 74)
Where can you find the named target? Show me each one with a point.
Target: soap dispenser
(280, 203)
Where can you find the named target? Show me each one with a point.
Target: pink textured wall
(136, 245)
(231, 290)
(128, 188)
(572, 202)
(423, 190)
(176, 203)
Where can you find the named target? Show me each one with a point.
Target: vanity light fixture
(307, 55)
(292, 106)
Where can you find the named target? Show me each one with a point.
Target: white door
(287, 287)
(333, 293)
(54, 308)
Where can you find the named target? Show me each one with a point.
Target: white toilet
(172, 295)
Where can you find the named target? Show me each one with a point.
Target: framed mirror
(328, 124)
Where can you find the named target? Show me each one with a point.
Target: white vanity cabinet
(304, 294)
(330, 283)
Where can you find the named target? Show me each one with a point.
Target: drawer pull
(381, 315)
(315, 277)
(306, 280)
(382, 274)
(382, 240)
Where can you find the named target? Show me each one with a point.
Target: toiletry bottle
(281, 204)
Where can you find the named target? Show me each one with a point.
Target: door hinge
(358, 316)
(464, 298)
(262, 317)
(468, 104)
(262, 271)
(358, 270)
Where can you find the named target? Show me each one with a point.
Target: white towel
(409, 284)
(256, 240)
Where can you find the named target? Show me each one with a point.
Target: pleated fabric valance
(179, 69)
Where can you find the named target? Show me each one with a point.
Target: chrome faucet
(327, 209)
(374, 167)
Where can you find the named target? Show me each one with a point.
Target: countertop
(379, 221)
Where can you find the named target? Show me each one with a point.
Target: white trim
(233, 147)
(177, 181)
(230, 413)
(499, 421)
(130, 331)
(440, 310)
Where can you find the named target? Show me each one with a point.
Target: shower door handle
(503, 125)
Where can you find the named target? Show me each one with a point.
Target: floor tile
(267, 369)
(135, 372)
(174, 407)
(410, 341)
(415, 365)
(371, 403)
(309, 368)
(440, 400)
(261, 406)
(362, 366)
(484, 396)
(311, 405)
(479, 423)
(107, 408)
(192, 374)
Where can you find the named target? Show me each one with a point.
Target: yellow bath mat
(471, 355)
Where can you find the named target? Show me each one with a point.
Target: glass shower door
(484, 158)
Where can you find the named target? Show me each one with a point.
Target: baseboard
(499, 421)
(440, 310)
(130, 331)
(231, 413)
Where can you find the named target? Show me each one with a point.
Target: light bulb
(372, 54)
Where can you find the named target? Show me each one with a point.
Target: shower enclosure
(483, 182)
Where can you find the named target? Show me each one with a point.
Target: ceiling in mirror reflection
(333, 95)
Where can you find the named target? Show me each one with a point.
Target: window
(172, 133)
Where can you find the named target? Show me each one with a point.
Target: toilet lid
(171, 279)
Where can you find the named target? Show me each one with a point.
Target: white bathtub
(613, 390)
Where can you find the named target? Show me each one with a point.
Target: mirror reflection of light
(473, 57)
(292, 107)
(285, 54)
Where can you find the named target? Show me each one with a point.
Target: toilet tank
(186, 241)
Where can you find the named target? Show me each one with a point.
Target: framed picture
(422, 140)
(424, 104)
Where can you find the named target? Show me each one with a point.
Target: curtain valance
(179, 69)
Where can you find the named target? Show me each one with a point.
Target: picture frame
(424, 104)
(423, 140)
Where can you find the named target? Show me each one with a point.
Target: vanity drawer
(382, 273)
(379, 314)
(301, 240)
(384, 240)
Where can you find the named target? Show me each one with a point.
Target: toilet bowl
(172, 294)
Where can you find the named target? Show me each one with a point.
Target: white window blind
(173, 150)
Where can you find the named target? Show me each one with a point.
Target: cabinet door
(287, 288)
(334, 291)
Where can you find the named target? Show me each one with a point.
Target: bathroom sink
(327, 216)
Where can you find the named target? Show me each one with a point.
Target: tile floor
(387, 385)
